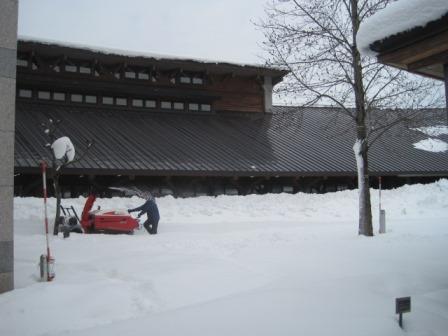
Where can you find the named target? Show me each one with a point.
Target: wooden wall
(243, 94)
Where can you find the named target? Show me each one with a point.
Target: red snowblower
(107, 221)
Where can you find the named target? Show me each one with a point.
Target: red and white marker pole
(46, 262)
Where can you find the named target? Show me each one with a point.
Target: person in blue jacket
(152, 212)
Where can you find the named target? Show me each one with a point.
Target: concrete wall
(8, 51)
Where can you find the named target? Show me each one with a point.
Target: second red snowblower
(107, 221)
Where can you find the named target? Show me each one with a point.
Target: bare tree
(58, 165)
(316, 41)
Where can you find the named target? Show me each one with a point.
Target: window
(25, 93)
(137, 102)
(206, 107)
(45, 95)
(121, 101)
(108, 100)
(85, 70)
(288, 189)
(198, 81)
(150, 103)
(143, 75)
(59, 96)
(185, 80)
(193, 107)
(71, 68)
(22, 63)
(91, 99)
(178, 106)
(165, 105)
(76, 98)
(130, 74)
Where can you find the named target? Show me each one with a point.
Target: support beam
(445, 71)
(267, 87)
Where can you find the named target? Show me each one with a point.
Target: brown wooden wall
(243, 94)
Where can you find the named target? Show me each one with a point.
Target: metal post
(382, 213)
(379, 189)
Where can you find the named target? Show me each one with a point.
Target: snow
(432, 145)
(433, 130)
(398, 17)
(130, 53)
(63, 147)
(275, 264)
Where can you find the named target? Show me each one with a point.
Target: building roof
(410, 35)
(51, 48)
(292, 142)
(397, 18)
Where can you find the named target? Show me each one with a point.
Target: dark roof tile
(293, 141)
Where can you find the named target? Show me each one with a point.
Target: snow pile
(239, 265)
(63, 147)
(398, 17)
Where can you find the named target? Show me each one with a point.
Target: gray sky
(210, 29)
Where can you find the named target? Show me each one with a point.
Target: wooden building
(189, 127)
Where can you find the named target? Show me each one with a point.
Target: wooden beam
(440, 58)
(417, 51)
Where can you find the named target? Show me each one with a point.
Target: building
(190, 127)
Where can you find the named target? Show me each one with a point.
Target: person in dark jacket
(152, 212)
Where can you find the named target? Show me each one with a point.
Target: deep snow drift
(230, 265)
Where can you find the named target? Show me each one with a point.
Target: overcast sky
(208, 29)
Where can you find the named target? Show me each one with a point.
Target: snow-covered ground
(230, 265)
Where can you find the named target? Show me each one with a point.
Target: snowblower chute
(114, 221)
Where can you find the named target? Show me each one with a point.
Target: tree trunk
(57, 194)
(365, 212)
(361, 146)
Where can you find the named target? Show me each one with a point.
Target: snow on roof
(432, 145)
(434, 130)
(128, 53)
(398, 17)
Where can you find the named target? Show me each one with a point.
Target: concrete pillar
(8, 57)
(267, 86)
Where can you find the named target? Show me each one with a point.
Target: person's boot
(147, 227)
